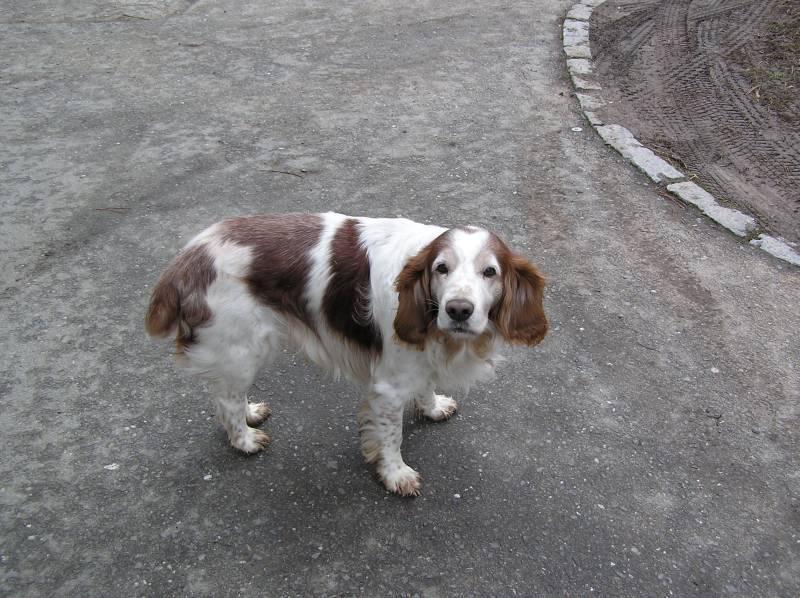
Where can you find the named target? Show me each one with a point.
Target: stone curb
(587, 90)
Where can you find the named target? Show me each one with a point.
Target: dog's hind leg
(237, 371)
(240, 339)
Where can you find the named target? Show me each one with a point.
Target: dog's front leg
(380, 422)
(435, 407)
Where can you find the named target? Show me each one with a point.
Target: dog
(399, 307)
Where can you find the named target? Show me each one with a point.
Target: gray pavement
(648, 447)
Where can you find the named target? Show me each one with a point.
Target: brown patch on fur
(417, 310)
(281, 244)
(519, 314)
(346, 303)
(480, 346)
(179, 297)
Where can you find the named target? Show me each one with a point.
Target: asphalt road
(648, 447)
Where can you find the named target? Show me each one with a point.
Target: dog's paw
(400, 480)
(257, 413)
(251, 441)
(443, 407)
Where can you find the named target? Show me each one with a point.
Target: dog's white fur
(238, 331)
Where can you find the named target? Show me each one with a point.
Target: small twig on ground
(299, 176)
(667, 195)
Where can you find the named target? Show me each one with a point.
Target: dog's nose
(459, 309)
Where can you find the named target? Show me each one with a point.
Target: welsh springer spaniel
(397, 306)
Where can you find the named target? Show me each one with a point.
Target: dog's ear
(417, 309)
(519, 314)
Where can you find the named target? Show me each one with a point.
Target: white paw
(251, 441)
(257, 413)
(401, 480)
(443, 408)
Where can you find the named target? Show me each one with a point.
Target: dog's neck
(480, 346)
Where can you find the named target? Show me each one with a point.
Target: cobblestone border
(587, 90)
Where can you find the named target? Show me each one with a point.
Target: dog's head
(465, 284)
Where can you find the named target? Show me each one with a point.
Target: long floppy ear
(519, 315)
(417, 310)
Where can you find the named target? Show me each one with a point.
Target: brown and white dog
(397, 306)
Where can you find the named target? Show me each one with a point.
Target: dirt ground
(712, 86)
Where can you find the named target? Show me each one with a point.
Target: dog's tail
(178, 302)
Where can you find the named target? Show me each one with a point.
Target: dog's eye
(489, 272)
(442, 269)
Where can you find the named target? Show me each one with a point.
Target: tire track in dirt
(667, 67)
